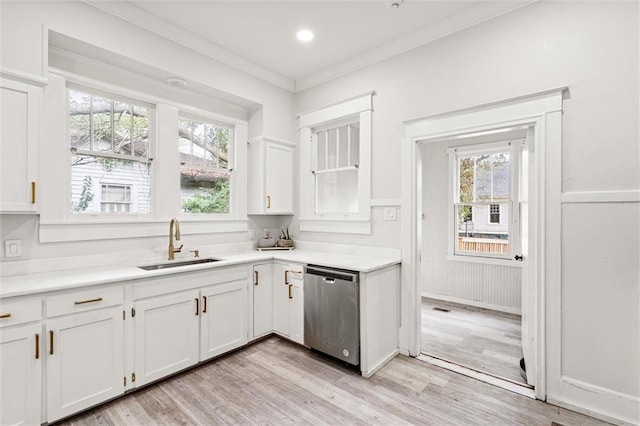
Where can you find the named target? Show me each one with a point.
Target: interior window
(109, 141)
(205, 174)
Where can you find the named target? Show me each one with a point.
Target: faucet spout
(174, 229)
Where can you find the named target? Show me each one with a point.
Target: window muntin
(483, 196)
(205, 174)
(336, 174)
(109, 142)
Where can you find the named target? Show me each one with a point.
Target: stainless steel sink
(176, 264)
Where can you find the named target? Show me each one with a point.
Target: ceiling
(258, 37)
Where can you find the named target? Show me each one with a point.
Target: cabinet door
(262, 299)
(20, 375)
(85, 354)
(297, 308)
(224, 318)
(166, 335)
(279, 178)
(19, 113)
(281, 305)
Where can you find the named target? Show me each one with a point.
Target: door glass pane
(337, 192)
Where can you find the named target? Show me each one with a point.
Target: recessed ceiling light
(304, 35)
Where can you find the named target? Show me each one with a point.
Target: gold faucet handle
(179, 249)
(196, 253)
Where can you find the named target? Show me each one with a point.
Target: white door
(20, 375)
(85, 354)
(279, 178)
(281, 305)
(166, 335)
(262, 299)
(223, 318)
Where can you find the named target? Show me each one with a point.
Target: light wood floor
(276, 382)
(485, 340)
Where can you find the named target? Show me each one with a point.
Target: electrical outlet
(389, 213)
(12, 248)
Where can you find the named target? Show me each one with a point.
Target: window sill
(342, 226)
(51, 232)
(486, 260)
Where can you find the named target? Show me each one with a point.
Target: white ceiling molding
(140, 18)
(465, 19)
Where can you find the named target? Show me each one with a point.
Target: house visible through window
(116, 199)
(109, 141)
(205, 173)
(336, 175)
(494, 213)
(483, 195)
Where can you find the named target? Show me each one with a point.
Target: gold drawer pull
(255, 277)
(8, 315)
(268, 201)
(37, 346)
(204, 304)
(33, 192)
(51, 342)
(290, 295)
(82, 302)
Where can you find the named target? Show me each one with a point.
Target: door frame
(543, 110)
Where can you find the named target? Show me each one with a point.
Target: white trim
(476, 303)
(472, 258)
(342, 226)
(486, 378)
(386, 202)
(23, 77)
(266, 138)
(630, 196)
(85, 231)
(336, 111)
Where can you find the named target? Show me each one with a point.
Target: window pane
(94, 186)
(223, 135)
(122, 128)
(331, 148)
(337, 192)
(322, 150)
(355, 144)
(343, 146)
(204, 191)
(79, 120)
(484, 177)
(141, 131)
(101, 121)
(477, 234)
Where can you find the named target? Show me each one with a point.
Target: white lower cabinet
(85, 354)
(288, 301)
(166, 335)
(262, 299)
(223, 320)
(21, 373)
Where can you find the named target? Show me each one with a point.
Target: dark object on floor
(556, 424)
(435, 308)
(523, 373)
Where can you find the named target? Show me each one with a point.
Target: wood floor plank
(276, 382)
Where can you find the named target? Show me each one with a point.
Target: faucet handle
(196, 253)
(178, 249)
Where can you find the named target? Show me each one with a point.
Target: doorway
(474, 193)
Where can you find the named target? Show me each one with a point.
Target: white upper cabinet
(20, 115)
(271, 176)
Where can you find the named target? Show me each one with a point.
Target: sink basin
(176, 264)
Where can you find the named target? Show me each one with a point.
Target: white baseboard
(507, 309)
(595, 401)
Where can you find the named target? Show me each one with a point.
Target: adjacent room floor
(481, 339)
(278, 382)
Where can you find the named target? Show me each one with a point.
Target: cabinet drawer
(84, 300)
(18, 312)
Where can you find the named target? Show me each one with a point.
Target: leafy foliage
(209, 200)
(85, 196)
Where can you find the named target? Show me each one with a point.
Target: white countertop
(20, 285)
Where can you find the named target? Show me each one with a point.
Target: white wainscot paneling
(600, 342)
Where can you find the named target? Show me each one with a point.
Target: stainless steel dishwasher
(332, 312)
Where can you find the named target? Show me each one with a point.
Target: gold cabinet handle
(37, 346)
(197, 306)
(290, 294)
(204, 304)
(268, 201)
(33, 192)
(286, 277)
(82, 302)
(255, 277)
(50, 342)
(7, 315)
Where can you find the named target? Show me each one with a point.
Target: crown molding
(465, 19)
(140, 18)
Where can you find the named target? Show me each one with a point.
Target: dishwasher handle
(331, 275)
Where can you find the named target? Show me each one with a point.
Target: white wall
(591, 47)
(490, 286)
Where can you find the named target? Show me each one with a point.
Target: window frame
(358, 109)
(513, 226)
